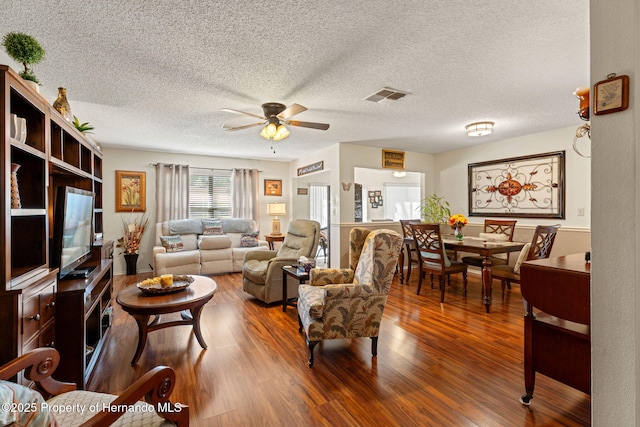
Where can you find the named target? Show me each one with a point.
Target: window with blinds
(401, 201)
(210, 194)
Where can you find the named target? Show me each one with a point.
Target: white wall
(132, 160)
(374, 180)
(452, 180)
(615, 186)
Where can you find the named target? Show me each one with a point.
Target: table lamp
(275, 210)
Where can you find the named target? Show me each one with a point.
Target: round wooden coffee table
(189, 301)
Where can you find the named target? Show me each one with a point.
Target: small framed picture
(393, 159)
(611, 95)
(372, 193)
(273, 187)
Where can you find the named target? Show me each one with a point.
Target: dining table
(476, 245)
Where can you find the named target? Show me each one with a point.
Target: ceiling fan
(276, 116)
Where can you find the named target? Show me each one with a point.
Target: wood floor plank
(438, 364)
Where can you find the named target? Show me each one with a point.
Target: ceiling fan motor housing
(272, 109)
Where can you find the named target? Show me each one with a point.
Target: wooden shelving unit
(54, 154)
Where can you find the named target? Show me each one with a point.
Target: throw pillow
(172, 243)
(249, 240)
(521, 258)
(212, 227)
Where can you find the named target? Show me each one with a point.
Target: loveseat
(204, 246)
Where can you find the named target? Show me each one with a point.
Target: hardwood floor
(437, 365)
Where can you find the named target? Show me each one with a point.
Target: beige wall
(132, 160)
(615, 187)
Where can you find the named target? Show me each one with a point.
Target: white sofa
(203, 254)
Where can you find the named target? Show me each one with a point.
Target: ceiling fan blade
(231, 128)
(230, 110)
(312, 125)
(291, 110)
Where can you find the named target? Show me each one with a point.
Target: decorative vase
(131, 260)
(457, 231)
(62, 105)
(15, 194)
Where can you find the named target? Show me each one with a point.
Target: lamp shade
(276, 209)
(479, 128)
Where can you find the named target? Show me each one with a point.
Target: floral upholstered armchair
(348, 303)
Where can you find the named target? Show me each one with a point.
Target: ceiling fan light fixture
(281, 133)
(479, 128)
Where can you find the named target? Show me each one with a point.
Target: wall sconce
(582, 93)
(275, 210)
(479, 128)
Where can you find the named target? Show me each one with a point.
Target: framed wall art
(527, 187)
(611, 95)
(273, 187)
(130, 191)
(392, 159)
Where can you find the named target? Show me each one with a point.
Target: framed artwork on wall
(520, 187)
(611, 95)
(393, 159)
(273, 187)
(130, 191)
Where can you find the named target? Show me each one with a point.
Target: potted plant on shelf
(130, 241)
(26, 50)
(82, 127)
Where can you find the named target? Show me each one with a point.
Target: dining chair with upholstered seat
(539, 248)
(409, 248)
(494, 230)
(433, 257)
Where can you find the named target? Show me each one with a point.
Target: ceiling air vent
(386, 93)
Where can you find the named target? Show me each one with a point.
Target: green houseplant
(25, 50)
(82, 127)
(434, 209)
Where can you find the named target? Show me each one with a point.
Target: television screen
(72, 236)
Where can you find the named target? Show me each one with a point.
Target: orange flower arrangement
(458, 220)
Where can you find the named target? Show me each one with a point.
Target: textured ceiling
(155, 74)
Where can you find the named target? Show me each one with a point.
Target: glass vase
(457, 232)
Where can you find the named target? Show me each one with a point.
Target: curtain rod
(196, 167)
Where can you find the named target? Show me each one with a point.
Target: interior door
(320, 210)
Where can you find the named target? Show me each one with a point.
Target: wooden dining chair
(409, 248)
(503, 230)
(433, 258)
(539, 248)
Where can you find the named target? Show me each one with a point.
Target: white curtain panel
(172, 192)
(244, 194)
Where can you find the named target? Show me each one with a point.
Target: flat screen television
(72, 231)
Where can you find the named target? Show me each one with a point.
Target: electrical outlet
(580, 211)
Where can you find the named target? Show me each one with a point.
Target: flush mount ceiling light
(479, 128)
(399, 174)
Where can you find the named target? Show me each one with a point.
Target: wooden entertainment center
(37, 309)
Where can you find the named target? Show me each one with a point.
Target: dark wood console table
(557, 340)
